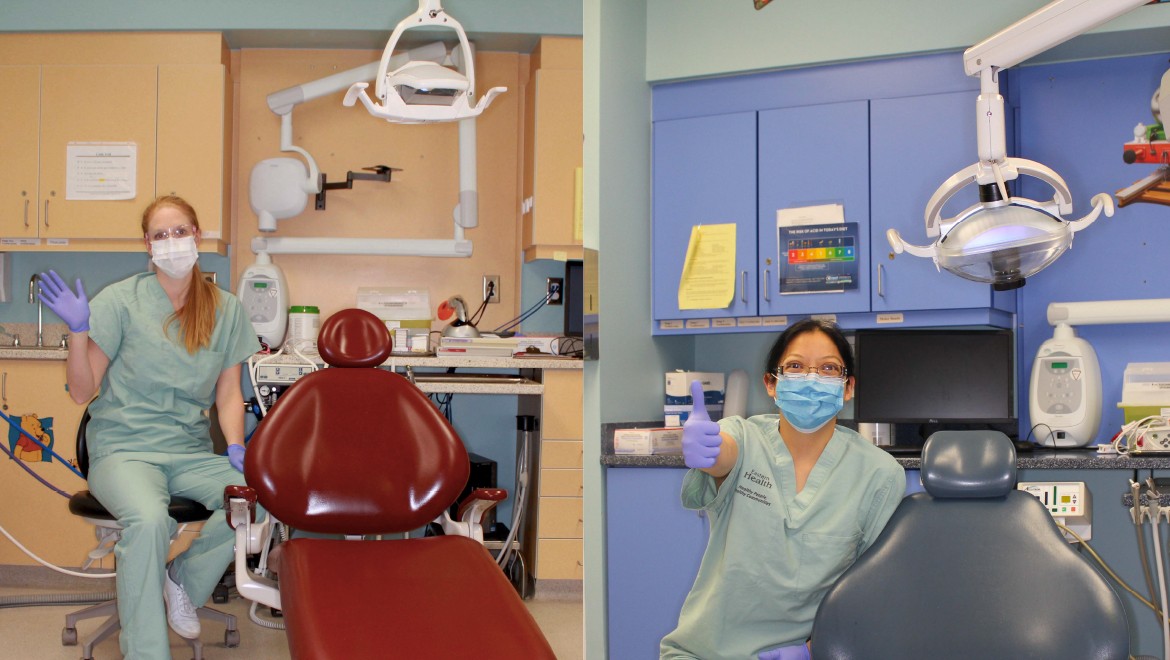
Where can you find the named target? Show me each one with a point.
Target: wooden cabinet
(35, 515)
(20, 117)
(88, 104)
(560, 521)
(551, 221)
(175, 114)
(194, 142)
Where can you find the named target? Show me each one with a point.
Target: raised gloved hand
(794, 652)
(701, 439)
(235, 454)
(73, 308)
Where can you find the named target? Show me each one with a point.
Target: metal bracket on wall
(380, 173)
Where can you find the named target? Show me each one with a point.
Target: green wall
(698, 38)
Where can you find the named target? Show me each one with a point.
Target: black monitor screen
(926, 376)
(574, 278)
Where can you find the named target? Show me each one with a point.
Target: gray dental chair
(971, 568)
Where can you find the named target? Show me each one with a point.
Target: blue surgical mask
(809, 402)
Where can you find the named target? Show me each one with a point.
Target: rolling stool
(85, 505)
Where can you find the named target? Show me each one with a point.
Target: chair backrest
(353, 449)
(82, 445)
(971, 568)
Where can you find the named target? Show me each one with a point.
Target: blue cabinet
(875, 138)
(704, 173)
(812, 155)
(653, 552)
(916, 144)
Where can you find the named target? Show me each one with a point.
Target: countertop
(1043, 459)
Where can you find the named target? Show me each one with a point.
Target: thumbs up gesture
(701, 440)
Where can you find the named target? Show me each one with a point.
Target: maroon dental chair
(359, 451)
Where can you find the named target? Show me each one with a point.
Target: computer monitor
(574, 278)
(941, 378)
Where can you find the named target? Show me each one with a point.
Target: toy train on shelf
(1149, 146)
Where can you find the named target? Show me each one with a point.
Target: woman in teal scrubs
(163, 346)
(792, 499)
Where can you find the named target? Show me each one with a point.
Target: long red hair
(196, 318)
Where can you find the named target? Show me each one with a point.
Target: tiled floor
(34, 632)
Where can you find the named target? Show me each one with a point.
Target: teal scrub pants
(136, 487)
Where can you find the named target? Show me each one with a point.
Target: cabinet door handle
(26, 203)
(743, 286)
(46, 213)
(767, 285)
(881, 289)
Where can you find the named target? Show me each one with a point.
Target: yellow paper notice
(708, 276)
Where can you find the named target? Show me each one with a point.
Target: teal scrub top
(154, 392)
(772, 552)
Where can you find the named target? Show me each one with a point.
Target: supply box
(1145, 391)
(678, 395)
(398, 307)
(648, 441)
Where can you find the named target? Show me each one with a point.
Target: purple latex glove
(794, 652)
(235, 454)
(701, 439)
(73, 308)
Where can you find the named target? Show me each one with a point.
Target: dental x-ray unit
(426, 84)
(1002, 240)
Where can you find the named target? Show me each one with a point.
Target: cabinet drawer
(560, 518)
(561, 454)
(561, 483)
(562, 403)
(560, 559)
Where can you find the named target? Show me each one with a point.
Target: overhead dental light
(1002, 239)
(424, 91)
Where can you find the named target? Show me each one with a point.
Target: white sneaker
(181, 613)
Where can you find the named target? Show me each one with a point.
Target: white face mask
(175, 256)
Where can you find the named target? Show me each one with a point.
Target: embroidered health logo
(762, 480)
(758, 478)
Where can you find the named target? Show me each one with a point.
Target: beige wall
(417, 203)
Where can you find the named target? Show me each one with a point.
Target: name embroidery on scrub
(752, 494)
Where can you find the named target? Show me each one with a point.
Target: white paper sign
(101, 170)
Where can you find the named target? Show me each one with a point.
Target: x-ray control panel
(1060, 387)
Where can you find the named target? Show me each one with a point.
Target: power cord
(529, 312)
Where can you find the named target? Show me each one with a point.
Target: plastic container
(1145, 390)
(304, 321)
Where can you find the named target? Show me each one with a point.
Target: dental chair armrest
(244, 507)
(479, 502)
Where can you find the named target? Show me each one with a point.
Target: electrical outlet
(555, 290)
(491, 288)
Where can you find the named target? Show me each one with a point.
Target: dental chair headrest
(968, 464)
(354, 338)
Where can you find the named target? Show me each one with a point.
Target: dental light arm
(283, 101)
(1004, 239)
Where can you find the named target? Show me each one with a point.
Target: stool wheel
(68, 636)
(220, 594)
(231, 638)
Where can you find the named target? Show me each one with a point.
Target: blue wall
(1074, 118)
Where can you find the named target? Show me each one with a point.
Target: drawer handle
(881, 289)
(46, 213)
(767, 285)
(743, 286)
(26, 203)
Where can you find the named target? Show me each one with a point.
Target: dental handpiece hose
(1154, 508)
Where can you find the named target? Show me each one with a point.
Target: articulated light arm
(1004, 239)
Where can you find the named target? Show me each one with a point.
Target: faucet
(32, 298)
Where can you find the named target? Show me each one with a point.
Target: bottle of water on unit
(304, 321)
